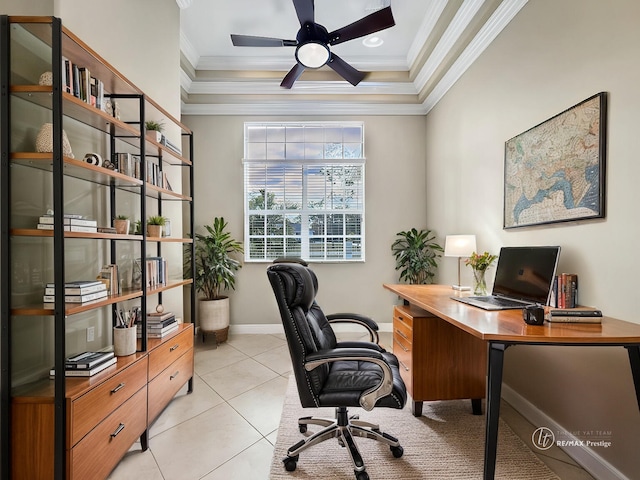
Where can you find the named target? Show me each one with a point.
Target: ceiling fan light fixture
(313, 54)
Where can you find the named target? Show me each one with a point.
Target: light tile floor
(226, 428)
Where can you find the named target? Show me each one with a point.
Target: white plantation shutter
(304, 191)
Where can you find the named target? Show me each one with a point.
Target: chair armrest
(368, 323)
(369, 398)
(360, 344)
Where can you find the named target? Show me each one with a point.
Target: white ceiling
(429, 48)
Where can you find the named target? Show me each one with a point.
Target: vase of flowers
(480, 263)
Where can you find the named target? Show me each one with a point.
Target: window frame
(305, 165)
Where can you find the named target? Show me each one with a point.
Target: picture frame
(555, 172)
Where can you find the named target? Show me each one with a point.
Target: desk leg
(634, 360)
(416, 409)
(496, 361)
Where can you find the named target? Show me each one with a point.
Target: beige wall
(551, 56)
(395, 185)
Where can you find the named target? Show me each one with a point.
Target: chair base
(344, 428)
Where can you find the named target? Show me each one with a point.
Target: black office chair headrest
(300, 284)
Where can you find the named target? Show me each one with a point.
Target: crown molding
(426, 27)
(303, 108)
(301, 88)
(188, 50)
(490, 30)
(284, 63)
(453, 32)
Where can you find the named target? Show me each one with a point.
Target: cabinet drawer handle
(403, 366)
(402, 347)
(119, 387)
(177, 345)
(118, 430)
(174, 375)
(402, 335)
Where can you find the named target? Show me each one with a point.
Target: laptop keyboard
(501, 302)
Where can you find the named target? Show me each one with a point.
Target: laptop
(524, 276)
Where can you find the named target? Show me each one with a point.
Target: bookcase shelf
(32, 183)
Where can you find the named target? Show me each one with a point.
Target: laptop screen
(526, 273)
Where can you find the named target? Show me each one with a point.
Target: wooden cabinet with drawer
(106, 413)
(437, 360)
(170, 367)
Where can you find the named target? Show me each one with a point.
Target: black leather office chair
(330, 373)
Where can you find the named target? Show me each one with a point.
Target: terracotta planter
(121, 226)
(154, 231)
(213, 317)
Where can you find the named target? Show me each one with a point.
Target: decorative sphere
(159, 309)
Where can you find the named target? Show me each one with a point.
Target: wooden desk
(506, 328)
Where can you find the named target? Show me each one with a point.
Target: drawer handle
(119, 387)
(177, 345)
(403, 366)
(118, 430)
(403, 347)
(402, 335)
(174, 375)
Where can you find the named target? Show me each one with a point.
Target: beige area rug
(445, 443)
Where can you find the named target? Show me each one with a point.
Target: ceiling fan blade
(370, 24)
(305, 10)
(346, 71)
(292, 76)
(249, 41)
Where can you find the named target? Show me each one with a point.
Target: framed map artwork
(555, 171)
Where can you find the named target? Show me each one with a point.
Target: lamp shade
(459, 245)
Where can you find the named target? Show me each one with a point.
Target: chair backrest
(305, 325)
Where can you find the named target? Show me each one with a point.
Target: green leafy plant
(122, 217)
(416, 255)
(152, 125)
(480, 261)
(156, 220)
(214, 262)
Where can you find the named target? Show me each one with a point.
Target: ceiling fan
(313, 41)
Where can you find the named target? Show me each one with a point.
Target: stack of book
(71, 223)
(565, 291)
(109, 276)
(87, 364)
(76, 292)
(159, 324)
(574, 315)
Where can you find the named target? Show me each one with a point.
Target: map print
(554, 171)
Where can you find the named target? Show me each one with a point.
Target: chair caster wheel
(302, 428)
(397, 451)
(362, 475)
(290, 463)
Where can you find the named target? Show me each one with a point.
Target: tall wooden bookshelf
(51, 426)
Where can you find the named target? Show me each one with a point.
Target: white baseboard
(593, 463)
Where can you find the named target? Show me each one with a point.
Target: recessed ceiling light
(372, 42)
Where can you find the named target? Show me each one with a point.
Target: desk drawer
(163, 388)
(169, 351)
(402, 316)
(100, 451)
(402, 333)
(405, 359)
(88, 410)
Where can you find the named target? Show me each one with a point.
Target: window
(304, 191)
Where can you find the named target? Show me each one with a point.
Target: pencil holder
(124, 341)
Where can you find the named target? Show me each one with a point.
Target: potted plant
(154, 226)
(154, 130)
(479, 264)
(215, 272)
(121, 224)
(416, 254)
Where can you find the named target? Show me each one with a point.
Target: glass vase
(479, 282)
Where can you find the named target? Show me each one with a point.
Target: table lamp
(459, 246)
